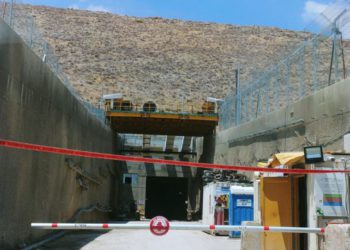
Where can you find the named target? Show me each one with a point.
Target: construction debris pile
(223, 176)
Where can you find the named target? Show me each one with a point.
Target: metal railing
(158, 141)
(18, 16)
(178, 109)
(312, 65)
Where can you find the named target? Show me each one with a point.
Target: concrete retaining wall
(322, 118)
(35, 107)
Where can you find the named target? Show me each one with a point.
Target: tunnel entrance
(166, 196)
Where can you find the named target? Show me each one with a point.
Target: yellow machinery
(125, 117)
(149, 107)
(118, 104)
(208, 107)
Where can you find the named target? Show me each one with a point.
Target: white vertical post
(11, 11)
(311, 211)
(238, 97)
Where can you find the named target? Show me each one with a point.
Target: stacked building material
(223, 176)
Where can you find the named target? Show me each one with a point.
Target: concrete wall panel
(322, 118)
(35, 107)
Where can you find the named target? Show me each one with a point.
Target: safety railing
(190, 110)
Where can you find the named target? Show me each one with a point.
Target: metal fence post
(335, 56)
(4, 10)
(289, 91)
(252, 107)
(315, 44)
(258, 104)
(277, 86)
(267, 96)
(246, 103)
(31, 32)
(238, 97)
(11, 10)
(301, 68)
(44, 59)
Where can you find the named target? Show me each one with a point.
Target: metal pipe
(238, 97)
(174, 226)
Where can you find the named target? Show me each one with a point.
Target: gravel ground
(142, 239)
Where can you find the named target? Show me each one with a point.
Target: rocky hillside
(168, 61)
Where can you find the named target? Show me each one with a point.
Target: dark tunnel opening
(167, 196)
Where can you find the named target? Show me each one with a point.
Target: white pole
(95, 226)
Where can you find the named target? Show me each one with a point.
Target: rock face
(171, 62)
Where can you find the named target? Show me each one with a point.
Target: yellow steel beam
(162, 116)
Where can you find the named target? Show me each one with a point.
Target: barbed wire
(19, 17)
(310, 65)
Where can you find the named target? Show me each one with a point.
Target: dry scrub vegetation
(167, 61)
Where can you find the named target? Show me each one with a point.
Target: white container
(112, 96)
(347, 143)
(242, 190)
(210, 191)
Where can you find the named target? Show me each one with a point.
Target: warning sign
(244, 203)
(159, 225)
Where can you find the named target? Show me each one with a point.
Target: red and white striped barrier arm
(114, 157)
(174, 226)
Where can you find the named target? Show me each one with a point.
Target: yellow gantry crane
(125, 117)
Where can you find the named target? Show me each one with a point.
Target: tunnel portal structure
(160, 189)
(125, 117)
(150, 131)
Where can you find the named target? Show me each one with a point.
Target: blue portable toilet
(241, 206)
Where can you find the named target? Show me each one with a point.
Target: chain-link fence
(18, 16)
(314, 64)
